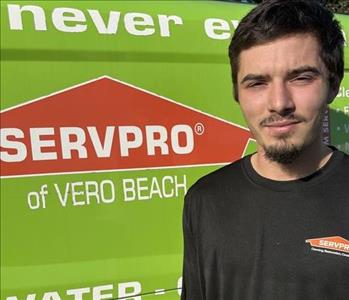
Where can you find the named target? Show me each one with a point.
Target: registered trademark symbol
(199, 129)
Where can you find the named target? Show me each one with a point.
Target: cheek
(312, 110)
(252, 111)
(311, 102)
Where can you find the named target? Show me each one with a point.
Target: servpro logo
(106, 124)
(332, 245)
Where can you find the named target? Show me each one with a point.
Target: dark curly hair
(273, 19)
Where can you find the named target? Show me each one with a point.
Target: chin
(284, 152)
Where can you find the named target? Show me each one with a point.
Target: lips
(282, 123)
(282, 127)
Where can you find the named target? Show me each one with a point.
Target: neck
(311, 159)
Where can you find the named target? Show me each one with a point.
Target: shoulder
(209, 193)
(336, 171)
(218, 181)
(346, 158)
(340, 159)
(345, 162)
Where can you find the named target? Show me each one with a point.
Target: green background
(60, 248)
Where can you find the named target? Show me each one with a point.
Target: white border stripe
(246, 146)
(128, 84)
(160, 292)
(117, 170)
(52, 94)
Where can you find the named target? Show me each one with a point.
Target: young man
(275, 225)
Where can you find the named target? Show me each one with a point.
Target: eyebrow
(255, 77)
(291, 74)
(301, 70)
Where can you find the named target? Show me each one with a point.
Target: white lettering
(123, 290)
(21, 150)
(134, 20)
(15, 16)
(182, 185)
(60, 17)
(155, 189)
(177, 148)
(29, 297)
(37, 144)
(76, 193)
(164, 22)
(91, 192)
(97, 292)
(141, 188)
(33, 200)
(160, 142)
(111, 191)
(51, 296)
(179, 285)
(164, 184)
(128, 186)
(217, 29)
(78, 293)
(66, 193)
(235, 23)
(144, 188)
(156, 140)
(105, 149)
(83, 192)
(102, 28)
(68, 145)
(343, 92)
(346, 110)
(125, 144)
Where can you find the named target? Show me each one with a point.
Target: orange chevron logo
(336, 243)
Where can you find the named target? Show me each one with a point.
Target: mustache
(277, 119)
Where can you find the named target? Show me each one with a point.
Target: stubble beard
(285, 154)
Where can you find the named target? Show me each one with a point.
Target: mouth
(282, 127)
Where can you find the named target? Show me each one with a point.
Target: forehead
(281, 56)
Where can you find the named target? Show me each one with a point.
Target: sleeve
(192, 284)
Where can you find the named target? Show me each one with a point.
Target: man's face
(283, 92)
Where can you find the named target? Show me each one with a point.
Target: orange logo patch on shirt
(335, 243)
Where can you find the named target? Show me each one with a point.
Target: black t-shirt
(248, 237)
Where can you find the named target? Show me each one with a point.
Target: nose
(280, 99)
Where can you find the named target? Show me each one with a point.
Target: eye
(303, 78)
(255, 84)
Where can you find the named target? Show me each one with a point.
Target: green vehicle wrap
(110, 111)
